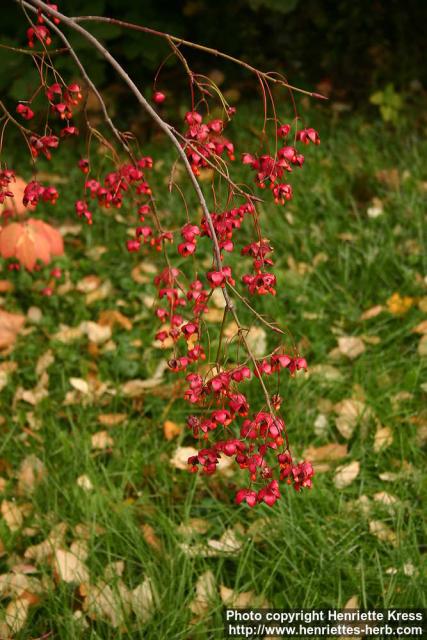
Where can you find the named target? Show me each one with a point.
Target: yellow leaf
(171, 430)
(398, 305)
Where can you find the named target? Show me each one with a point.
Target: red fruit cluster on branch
(225, 418)
(205, 140)
(270, 170)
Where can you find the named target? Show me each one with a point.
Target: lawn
(85, 455)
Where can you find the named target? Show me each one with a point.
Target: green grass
(315, 549)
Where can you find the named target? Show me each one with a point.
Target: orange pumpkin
(30, 241)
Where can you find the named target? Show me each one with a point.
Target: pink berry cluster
(205, 140)
(6, 177)
(271, 170)
(128, 180)
(228, 426)
(34, 192)
(40, 32)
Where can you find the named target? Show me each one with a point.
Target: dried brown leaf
(346, 474)
(381, 531)
(326, 453)
(31, 473)
(102, 440)
(383, 438)
(69, 567)
(351, 346)
(112, 419)
(205, 594)
(12, 515)
(11, 324)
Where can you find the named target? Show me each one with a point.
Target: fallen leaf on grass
(88, 284)
(95, 253)
(256, 337)
(84, 482)
(4, 378)
(389, 177)
(205, 594)
(422, 347)
(328, 372)
(320, 424)
(101, 293)
(12, 515)
(346, 474)
(44, 362)
(171, 429)
(352, 603)
(34, 315)
(6, 286)
(143, 600)
(96, 333)
(231, 598)
(111, 317)
(382, 532)
(112, 419)
(151, 537)
(16, 614)
(351, 346)
(55, 539)
(102, 603)
(68, 334)
(193, 527)
(31, 473)
(136, 388)
(11, 325)
(385, 498)
(102, 440)
(213, 315)
(326, 453)
(180, 457)
(80, 385)
(420, 328)
(69, 567)
(350, 412)
(373, 312)
(35, 395)
(376, 209)
(398, 305)
(16, 584)
(383, 438)
(228, 544)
